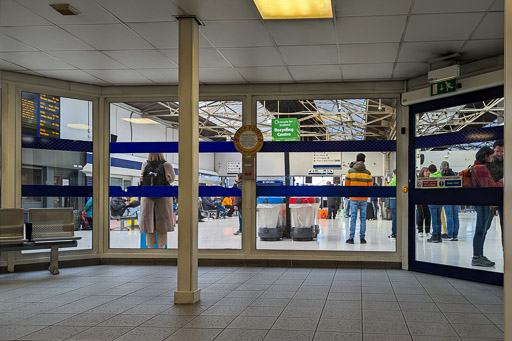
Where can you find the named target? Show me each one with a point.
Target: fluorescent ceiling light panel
(294, 9)
(140, 120)
(79, 126)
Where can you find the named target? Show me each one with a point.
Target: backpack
(154, 174)
(467, 176)
(117, 207)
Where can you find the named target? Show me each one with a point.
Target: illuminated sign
(40, 115)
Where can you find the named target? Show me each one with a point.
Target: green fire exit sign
(443, 87)
(285, 129)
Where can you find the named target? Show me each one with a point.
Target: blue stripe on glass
(55, 144)
(460, 137)
(325, 191)
(55, 191)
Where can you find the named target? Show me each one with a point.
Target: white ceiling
(134, 42)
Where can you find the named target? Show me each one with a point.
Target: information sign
(316, 171)
(327, 160)
(440, 182)
(285, 129)
(248, 140)
(234, 167)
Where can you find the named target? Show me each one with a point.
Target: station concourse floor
(116, 302)
(218, 234)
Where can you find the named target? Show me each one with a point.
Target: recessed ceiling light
(140, 120)
(294, 9)
(78, 126)
(65, 9)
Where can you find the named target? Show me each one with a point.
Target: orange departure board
(40, 114)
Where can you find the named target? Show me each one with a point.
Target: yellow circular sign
(405, 189)
(248, 140)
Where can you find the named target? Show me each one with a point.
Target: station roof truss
(469, 116)
(320, 120)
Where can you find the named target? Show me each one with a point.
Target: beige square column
(188, 96)
(507, 200)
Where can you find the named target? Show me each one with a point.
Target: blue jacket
(88, 208)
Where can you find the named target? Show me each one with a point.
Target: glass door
(456, 186)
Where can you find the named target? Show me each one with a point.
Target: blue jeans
(483, 223)
(347, 207)
(392, 205)
(354, 205)
(500, 212)
(435, 214)
(239, 220)
(452, 220)
(374, 204)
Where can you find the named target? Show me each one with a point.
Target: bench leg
(10, 261)
(54, 260)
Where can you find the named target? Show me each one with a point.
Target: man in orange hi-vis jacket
(358, 175)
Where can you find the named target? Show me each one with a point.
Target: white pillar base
(187, 297)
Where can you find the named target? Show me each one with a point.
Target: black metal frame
(460, 196)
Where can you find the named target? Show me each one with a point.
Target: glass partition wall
(456, 163)
(306, 175)
(56, 169)
(156, 125)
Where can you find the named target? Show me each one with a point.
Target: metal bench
(48, 228)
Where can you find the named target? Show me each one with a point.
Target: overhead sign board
(327, 160)
(285, 129)
(40, 115)
(440, 182)
(443, 87)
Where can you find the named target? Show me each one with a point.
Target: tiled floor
(247, 303)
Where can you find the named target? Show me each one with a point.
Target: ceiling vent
(65, 9)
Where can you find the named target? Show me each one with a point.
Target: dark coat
(156, 213)
(208, 204)
(496, 169)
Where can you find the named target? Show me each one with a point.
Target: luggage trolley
(270, 218)
(303, 213)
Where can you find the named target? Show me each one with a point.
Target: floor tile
(467, 317)
(457, 308)
(385, 327)
(55, 333)
(194, 335)
(224, 310)
(418, 306)
(369, 305)
(241, 334)
(13, 332)
(382, 315)
(100, 333)
(338, 325)
(289, 335)
(424, 316)
(301, 312)
(146, 333)
(337, 336)
(211, 322)
(125, 320)
(431, 329)
(295, 323)
(379, 297)
(475, 330)
(253, 322)
(262, 311)
(413, 298)
(170, 321)
(85, 319)
(43, 319)
(390, 337)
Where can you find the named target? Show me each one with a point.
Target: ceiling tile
(316, 73)
(253, 56)
(13, 14)
(367, 71)
(499, 5)
(208, 57)
(220, 75)
(266, 74)
(410, 70)
(162, 35)
(123, 77)
(46, 38)
(310, 55)
(160, 76)
(73, 76)
(243, 33)
(7, 44)
(90, 12)
(378, 29)
(142, 11)
(93, 60)
(451, 6)
(368, 53)
(479, 49)
(219, 9)
(371, 7)
(422, 52)
(35, 61)
(492, 27)
(433, 27)
(108, 37)
(142, 59)
(302, 32)
(6, 66)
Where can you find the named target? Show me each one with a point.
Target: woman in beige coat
(156, 215)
